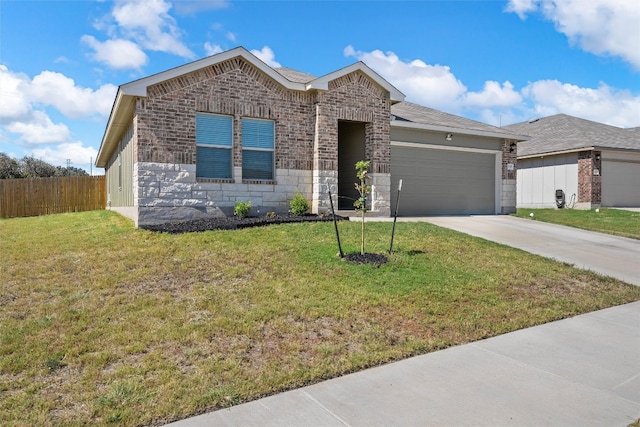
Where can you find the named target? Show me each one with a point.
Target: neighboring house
(592, 163)
(191, 141)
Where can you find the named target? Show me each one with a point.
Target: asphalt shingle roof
(407, 111)
(294, 75)
(562, 132)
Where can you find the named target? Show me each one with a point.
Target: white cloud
(493, 95)
(76, 152)
(498, 104)
(603, 104)
(25, 118)
(231, 36)
(13, 91)
(602, 27)
(40, 130)
(212, 49)
(267, 56)
(133, 27)
(521, 7)
(117, 53)
(431, 85)
(188, 7)
(149, 23)
(73, 101)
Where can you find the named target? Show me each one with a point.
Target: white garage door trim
(498, 163)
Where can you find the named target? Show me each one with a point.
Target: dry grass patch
(101, 323)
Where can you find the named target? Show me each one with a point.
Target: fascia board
(421, 126)
(322, 83)
(577, 150)
(139, 87)
(119, 120)
(555, 153)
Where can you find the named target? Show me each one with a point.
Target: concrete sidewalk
(582, 371)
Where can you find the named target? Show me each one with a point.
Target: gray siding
(540, 177)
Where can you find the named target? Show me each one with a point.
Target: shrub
(299, 205)
(242, 209)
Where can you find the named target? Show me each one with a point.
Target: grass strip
(618, 222)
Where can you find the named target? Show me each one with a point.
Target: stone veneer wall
(381, 194)
(509, 196)
(589, 184)
(170, 192)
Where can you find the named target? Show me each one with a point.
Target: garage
(439, 181)
(620, 182)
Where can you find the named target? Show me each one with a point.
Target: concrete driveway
(613, 256)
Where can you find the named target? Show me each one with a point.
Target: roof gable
(122, 110)
(322, 83)
(139, 87)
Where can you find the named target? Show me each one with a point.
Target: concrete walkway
(582, 371)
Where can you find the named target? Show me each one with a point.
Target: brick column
(325, 161)
(589, 179)
(508, 196)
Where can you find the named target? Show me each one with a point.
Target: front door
(351, 142)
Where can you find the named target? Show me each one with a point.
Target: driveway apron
(613, 256)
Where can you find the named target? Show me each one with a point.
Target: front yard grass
(611, 221)
(103, 324)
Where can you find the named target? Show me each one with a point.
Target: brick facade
(160, 112)
(508, 196)
(306, 139)
(589, 179)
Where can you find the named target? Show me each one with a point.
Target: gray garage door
(620, 184)
(441, 182)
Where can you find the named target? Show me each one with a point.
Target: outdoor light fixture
(597, 157)
(512, 147)
(449, 136)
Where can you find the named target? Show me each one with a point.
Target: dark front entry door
(351, 141)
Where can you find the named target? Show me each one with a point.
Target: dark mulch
(234, 223)
(367, 258)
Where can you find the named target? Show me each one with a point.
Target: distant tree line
(30, 167)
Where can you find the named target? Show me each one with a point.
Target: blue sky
(499, 62)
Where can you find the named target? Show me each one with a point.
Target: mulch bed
(235, 223)
(367, 258)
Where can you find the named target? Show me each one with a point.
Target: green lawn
(103, 324)
(612, 221)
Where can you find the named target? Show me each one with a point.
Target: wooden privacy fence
(42, 196)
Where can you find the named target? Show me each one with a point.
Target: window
(258, 138)
(214, 142)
